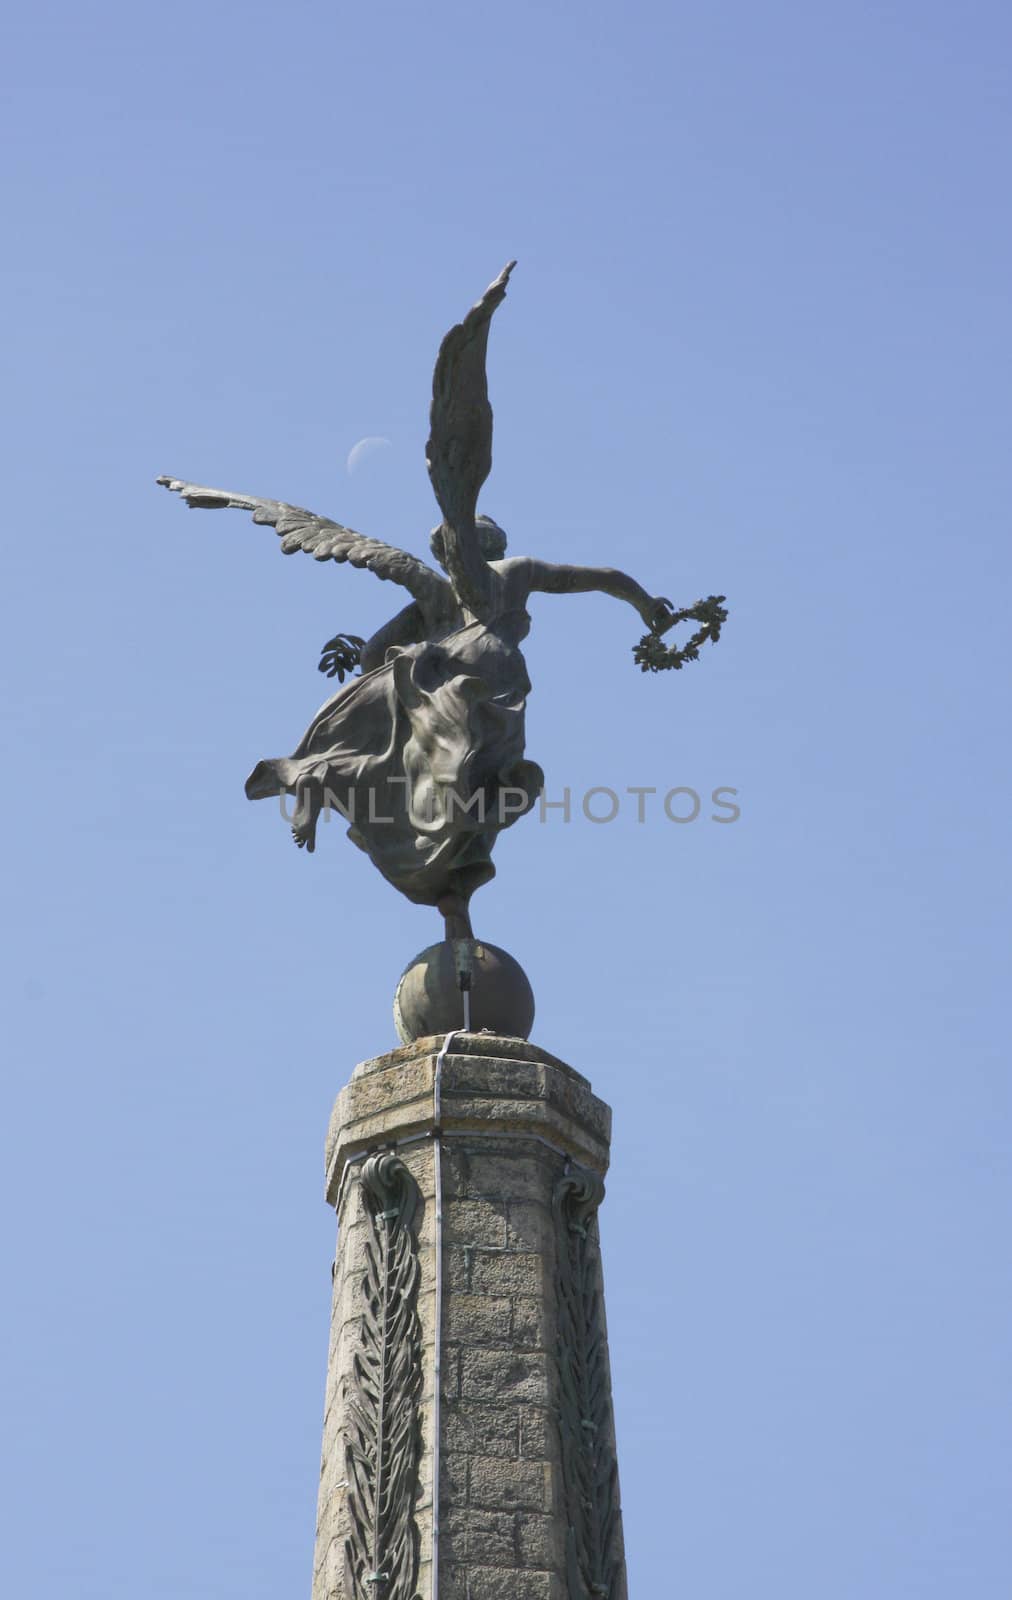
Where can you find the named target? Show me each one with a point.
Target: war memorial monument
(468, 1438)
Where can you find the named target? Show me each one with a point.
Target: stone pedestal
(468, 1343)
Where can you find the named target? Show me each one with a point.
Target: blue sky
(758, 341)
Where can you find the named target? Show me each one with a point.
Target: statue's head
(491, 537)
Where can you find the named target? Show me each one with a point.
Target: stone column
(475, 1163)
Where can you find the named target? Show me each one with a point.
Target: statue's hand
(658, 614)
(341, 655)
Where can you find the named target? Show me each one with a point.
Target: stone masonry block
(475, 1222)
(493, 1583)
(539, 1433)
(504, 1375)
(476, 1429)
(478, 1319)
(458, 1268)
(508, 1273)
(532, 1324)
(503, 1171)
(540, 1541)
(510, 1485)
(486, 1538)
(453, 1473)
(530, 1226)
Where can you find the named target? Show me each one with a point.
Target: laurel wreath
(653, 655)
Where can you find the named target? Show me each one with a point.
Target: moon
(364, 449)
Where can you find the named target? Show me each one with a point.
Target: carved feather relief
(589, 1467)
(383, 1437)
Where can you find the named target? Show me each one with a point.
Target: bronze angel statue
(424, 752)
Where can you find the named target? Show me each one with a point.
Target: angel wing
(459, 452)
(325, 540)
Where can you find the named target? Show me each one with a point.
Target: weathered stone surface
(510, 1375)
(532, 1324)
(495, 1583)
(478, 1319)
(487, 1087)
(473, 1429)
(509, 1485)
(507, 1272)
(513, 1121)
(476, 1222)
(529, 1226)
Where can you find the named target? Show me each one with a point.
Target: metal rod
(437, 1269)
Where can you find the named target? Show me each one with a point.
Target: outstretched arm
(408, 627)
(545, 578)
(346, 651)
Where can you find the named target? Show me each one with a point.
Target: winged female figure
(424, 752)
